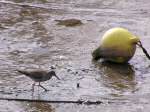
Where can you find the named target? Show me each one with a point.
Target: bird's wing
(38, 74)
(33, 74)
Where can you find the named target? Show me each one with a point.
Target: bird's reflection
(40, 107)
(120, 77)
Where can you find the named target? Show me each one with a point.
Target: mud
(30, 37)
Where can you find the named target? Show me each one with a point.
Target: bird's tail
(23, 72)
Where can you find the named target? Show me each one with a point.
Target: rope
(52, 101)
(144, 50)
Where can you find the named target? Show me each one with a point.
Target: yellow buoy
(117, 45)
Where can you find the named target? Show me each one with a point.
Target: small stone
(78, 85)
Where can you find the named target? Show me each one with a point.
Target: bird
(39, 76)
(117, 45)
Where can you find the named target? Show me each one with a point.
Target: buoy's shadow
(120, 77)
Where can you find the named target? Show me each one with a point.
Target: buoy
(117, 45)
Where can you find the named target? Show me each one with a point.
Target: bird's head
(52, 73)
(52, 67)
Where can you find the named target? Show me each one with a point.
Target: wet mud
(36, 34)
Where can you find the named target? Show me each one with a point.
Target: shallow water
(31, 37)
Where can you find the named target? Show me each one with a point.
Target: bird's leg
(42, 87)
(33, 86)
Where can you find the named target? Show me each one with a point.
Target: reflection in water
(120, 77)
(40, 107)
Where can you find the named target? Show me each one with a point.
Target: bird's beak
(57, 77)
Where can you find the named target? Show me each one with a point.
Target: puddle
(69, 22)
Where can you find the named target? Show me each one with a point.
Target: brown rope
(144, 50)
